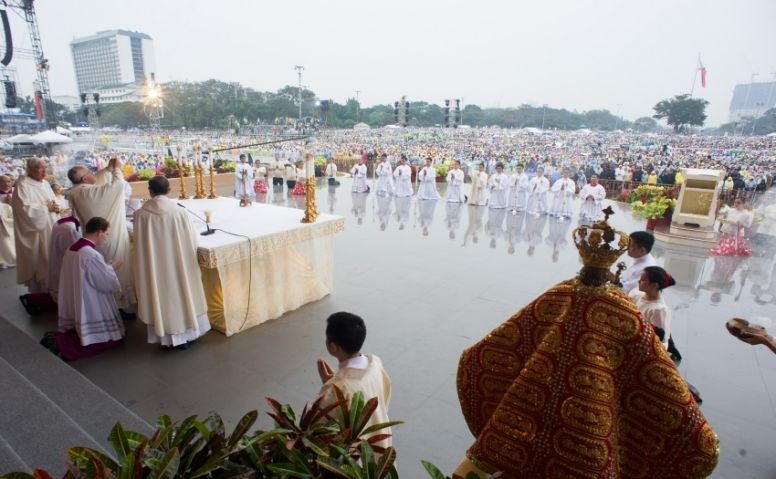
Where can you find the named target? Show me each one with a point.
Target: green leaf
(432, 470)
(290, 471)
(367, 460)
(332, 467)
(163, 421)
(356, 406)
(168, 466)
(242, 427)
(377, 427)
(118, 439)
(385, 463)
(127, 469)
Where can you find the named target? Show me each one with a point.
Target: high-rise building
(752, 100)
(113, 63)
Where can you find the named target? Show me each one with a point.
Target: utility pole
(358, 105)
(299, 69)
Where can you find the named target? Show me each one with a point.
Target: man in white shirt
(640, 248)
(243, 179)
(331, 172)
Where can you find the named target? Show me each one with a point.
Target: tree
(681, 111)
(645, 124)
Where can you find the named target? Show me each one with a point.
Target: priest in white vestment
(89, 319)
(479, 187)
(455, 184)
(243, 179)
(171, 299)
(518, 190)
(427, 177)
(34, 213)
(107, 201)
(359, 177)
(65, 233)
(384, 177)
(402, 177)
(592, 195)
(7, 243)
(537, 193)
(563, 191)
(498, 183)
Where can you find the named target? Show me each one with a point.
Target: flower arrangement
(654, 202)
(441, 170)
(146, 174)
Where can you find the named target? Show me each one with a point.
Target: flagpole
(695, 75)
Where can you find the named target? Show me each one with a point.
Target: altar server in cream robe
(479, 187)
(243, 179)
(107, 201)
(455, 184)
(427, 176)
(402, 176)
(171, 299)
(7, 244)
(384, 177)
(34, 213)
(64, 234)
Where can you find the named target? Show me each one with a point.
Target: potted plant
(655, 203)
(441, 171)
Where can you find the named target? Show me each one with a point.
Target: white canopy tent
(50, 138)
(20, 139)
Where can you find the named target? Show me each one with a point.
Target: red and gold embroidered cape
(577, 385)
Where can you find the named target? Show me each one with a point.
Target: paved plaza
(428, 286)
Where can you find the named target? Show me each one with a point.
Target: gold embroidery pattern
(697, 466)
(662, 379)
(708, 442)
(613, 321)
(500, 362)
(597, 349)
(552, 308)
(632, 465)
(592, 383)
(504, 335)
(559, 470)
(505, 452)
(580, 449)
(587, 416)
(660, 414)
(548, 339)
(515, 425)
(538, 368)
(526, 396)
(633, 435)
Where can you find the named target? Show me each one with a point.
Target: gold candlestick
(200, 189)
(212, 194)
(310, 209)
(182, 176)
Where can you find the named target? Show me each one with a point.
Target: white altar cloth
(277, 265)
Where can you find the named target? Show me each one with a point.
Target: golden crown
(599, 244)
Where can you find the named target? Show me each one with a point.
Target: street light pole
(358, 105)
(299, 69)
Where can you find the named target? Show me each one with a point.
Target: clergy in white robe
(107, 201)
(171, 299)
(7, 243)
(592, 195)
(243, 179)
(455, 184)
(384, 177)
(518, 190)
(402, 177)
(563, 191)
(537, 193)
(359, 177)
(498, 184)
(34, 213)
(427, 177)
(479, 195)
(64, 234)
(89, 319)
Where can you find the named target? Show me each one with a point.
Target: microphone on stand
(209, 230)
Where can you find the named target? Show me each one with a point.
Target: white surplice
(87, 302)
(479, 195)
(384, 179)
(32, 229)
(537, 195)
(402, 176)
(171, 299)
(107, 201)
(63, 235)
(518, 192)
(592, 206)
(427, 190)
(7, 242)
(243, 181)
(563, 191)
(455, 186)
(359, 179)
(498, 184)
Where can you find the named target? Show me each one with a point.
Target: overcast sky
(578, 54)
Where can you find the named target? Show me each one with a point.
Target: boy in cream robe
(88, 200)
(171, 299)
(479, 187)
(345, 334)
(7, 244)
(64, 234)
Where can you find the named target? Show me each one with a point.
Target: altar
(261, 262)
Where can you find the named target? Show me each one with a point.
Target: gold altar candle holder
(310, 208)
(182, 177)
(200, 188)
(212, 194)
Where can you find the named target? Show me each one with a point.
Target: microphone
(209, 230)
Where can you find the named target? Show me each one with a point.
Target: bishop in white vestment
(592, 195)
(537, 193)
(171, 299)
(563, 191)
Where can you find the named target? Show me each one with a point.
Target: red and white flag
(703, 72)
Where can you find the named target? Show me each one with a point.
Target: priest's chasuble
(167, 276)
(107, 201)
(577, 385)
(32, 228)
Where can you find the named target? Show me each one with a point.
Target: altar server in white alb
(402, 177)
(243, 179)
(34, 213)
(171, 299)
(89, 318)
(455, 184)
(479, 187)
(537, 193)
(518, 190)
(106, 201)
(384, 177)
(64, 234)
(359, 177)
(7, 243)
(498, 184)
(427, 177)
(563, 191)
(592, 195)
